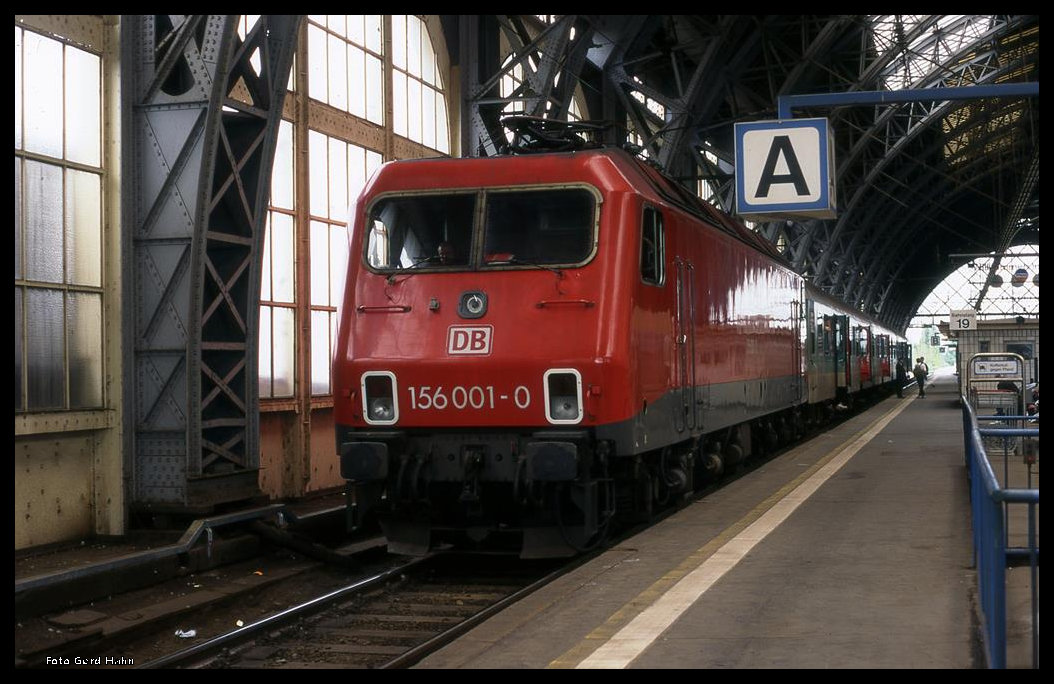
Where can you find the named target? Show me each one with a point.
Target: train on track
(534, 346)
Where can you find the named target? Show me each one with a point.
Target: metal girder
(1010, 226)
(201, 128)
(551, 62)
(681, 80)
(917, 118)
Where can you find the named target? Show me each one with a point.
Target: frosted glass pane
(413, 109)
(83, 122)
(338, 263)
(356, 172)
(265, 268)
(44, 346)
(337, 24)
(428, 116)
(374, 91)
(373, 32)
(43, 188)
(18, 219)
(428, 63)
(284, 348)
(319, 264)
(357, 29)
(373, 162)
(282, 174)
(338, 76)
(42, 67)
(413, 46)
(338, 179)
(399, 103)
(18, 349)
(319, 352)
(282, 258)
(442, 129)
(334, 328)
(264, 362)
(18, 88)
(316, 63)
(357, 81)
(84, 330)
(399, 41)
(83, 228)
(319, 181)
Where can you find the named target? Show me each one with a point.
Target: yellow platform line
(625, 635)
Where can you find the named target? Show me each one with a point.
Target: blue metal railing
(989, 505)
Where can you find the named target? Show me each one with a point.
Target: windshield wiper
(516, 261)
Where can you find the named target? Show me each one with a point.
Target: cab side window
(652, 248)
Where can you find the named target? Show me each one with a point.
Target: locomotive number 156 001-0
(476, 397)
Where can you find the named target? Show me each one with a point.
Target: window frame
(67, 283)
(660, 252)
(475, 263)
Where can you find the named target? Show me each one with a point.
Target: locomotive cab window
(522, 227)
(421, 232)
(652, 248)
(551, 227)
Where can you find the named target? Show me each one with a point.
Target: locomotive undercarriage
(547, 492)
(543, 494)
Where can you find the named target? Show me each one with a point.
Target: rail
(990, 506)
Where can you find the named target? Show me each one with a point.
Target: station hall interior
(183, 186)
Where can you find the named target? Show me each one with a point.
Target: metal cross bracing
(550, 60)
(202, 108)
(881, 161)
(915, 180)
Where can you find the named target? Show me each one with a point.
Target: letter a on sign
(782, 149)
(784, 168)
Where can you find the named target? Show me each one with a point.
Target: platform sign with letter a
(785, 169)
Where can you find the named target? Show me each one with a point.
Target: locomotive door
(799, 368)
(842, 356)
(686, 408)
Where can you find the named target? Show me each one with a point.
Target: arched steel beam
(879, 129)
(201, 127)
(866, 187)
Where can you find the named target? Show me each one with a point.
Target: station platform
(852, 550)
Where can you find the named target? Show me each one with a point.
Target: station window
(58, 225)
(345, 63)
(419, 106)
(277, 282)
(347, 72)
(652, 248)
(338, 172)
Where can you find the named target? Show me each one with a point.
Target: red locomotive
(533, 345)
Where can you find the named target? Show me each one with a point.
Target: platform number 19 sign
(962, 320)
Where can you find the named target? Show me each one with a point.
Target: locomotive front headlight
(381, 409)
(563, 395)
(380, 404)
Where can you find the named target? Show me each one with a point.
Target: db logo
(467, 339)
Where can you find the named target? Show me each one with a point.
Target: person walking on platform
(901, 377)
(921, 371)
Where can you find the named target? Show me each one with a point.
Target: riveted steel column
(202, 125)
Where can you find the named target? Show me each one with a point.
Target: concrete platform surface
(850, 551)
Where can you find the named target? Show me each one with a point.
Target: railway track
(386, 612)
(388, 620)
